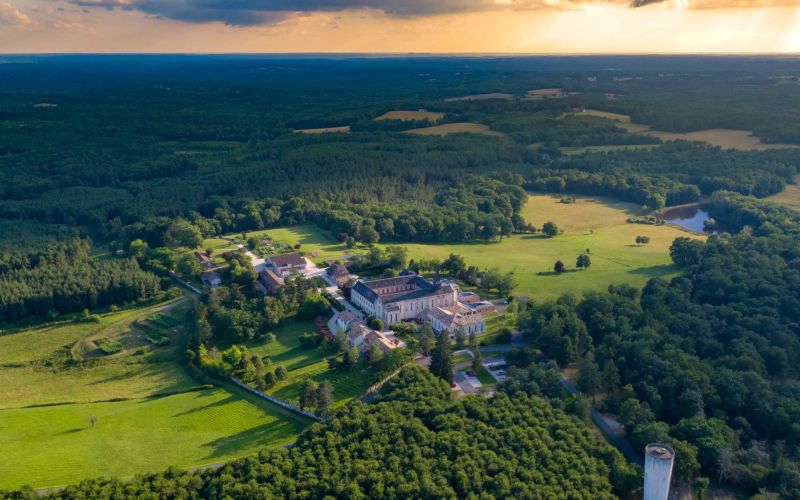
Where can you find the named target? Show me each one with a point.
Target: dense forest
(65, 278)
(413, 441)
(108, 156)
(707, 361)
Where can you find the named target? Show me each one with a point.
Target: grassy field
(597, 224)
(143, 398)
(57, 445)
(742, 140)
(305, 364)
(411, 115)
(310, 237)
(789, 196)
(454, 128)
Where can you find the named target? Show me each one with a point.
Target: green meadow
(62, 421)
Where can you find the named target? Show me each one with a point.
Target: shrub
(310, 340)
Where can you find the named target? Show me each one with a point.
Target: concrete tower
(658, 460)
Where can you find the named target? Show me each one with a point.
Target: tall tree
(324, 397)
(308, 394)
(442, 358)
(426, 339)
(589, 380)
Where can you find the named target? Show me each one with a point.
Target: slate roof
(288, 259)
(424, 288)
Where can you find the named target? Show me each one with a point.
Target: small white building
(287, 264)
(211, 279)
(451, 319)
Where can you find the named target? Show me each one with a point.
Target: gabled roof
(270, 278)
(362, 289)
(338, 271)
(288, 259)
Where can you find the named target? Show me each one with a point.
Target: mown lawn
(304, 364)
(56, 445)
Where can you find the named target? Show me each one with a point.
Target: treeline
(64, 278)
(675, 173)
(414, 441)
(709, 361)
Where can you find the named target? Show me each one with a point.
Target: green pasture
(143, 399)
(58, 445)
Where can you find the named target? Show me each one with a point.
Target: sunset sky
(449, 26)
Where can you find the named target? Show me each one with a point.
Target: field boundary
(273, 399)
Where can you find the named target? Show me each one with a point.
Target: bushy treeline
(235, 314)
(64, 278)
(413, 442)
(675, 173)
(709, 361)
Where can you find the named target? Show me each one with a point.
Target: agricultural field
(741, 140)
(481, 97)
(411, 115)
(304, 364)
(324, 130)
(454, 128)
(789, 196)
(69, 410)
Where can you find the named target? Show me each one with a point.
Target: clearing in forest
(68, 412)
(789, 196)
(741, 140)
(481, 97)
(455, 128)
(323, 130)
(412, 115)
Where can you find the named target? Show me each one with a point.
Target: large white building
(411, 297)
(402, 298)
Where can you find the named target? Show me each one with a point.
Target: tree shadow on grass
(222, 402)
(553, 273)
(656, 271)
(267, 434)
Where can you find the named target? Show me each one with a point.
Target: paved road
(604, 426)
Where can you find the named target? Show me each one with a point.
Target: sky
(400, 26)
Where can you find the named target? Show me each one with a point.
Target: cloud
(643, 3)
(9, 14)
(265, 12)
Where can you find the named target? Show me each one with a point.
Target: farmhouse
(204, 259)
(286, 264)
(270, 280)
(339, 273)
(402, 298)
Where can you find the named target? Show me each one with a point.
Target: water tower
(658, 460)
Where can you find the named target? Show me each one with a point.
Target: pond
(690, 217)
